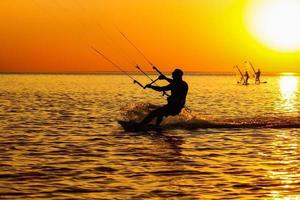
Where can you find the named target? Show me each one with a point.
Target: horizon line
(138, 73)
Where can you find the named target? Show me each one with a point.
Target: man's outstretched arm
(158, 88)
(163, 77)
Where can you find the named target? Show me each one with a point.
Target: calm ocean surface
(60, 139)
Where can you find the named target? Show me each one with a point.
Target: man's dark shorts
(170, 109)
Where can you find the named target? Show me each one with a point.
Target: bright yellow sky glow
(206, 35)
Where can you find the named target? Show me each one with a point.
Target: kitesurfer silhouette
(176, 100)
(257, 76)
(246, 78)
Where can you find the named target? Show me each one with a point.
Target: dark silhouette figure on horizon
(176, 100)
(257, 76)
(246, 76)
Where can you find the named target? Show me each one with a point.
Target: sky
(195, 35)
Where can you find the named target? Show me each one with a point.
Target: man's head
(177, 74)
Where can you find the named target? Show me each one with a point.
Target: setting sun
(275, 23)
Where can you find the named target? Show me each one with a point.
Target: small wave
(106, 169)
(75, 189)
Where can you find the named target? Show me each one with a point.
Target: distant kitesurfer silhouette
(246, 76)
(176, 100)
(257, 76)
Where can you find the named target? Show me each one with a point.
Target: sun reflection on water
(285, 154)
(288, 90)
(277, 196)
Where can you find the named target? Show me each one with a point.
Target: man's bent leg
(159, 113)
(159, 120)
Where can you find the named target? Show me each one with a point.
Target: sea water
(60, 139)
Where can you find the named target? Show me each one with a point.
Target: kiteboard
(131, 126)
(262, 82)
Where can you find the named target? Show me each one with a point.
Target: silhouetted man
(257, 76)
(176, 100)
(246, 76)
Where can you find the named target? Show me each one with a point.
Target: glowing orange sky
(206, 35)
